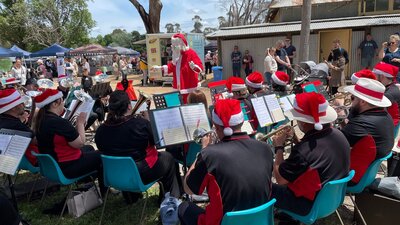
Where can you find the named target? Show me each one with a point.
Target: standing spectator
(390, 52)
(336, 67)
(123, 66)
(367, 50)
(75, 66)
(215, 58)
(282, 57)
(116, 66)
(248, 63)
(85, 64)
(69, 68)
(270, 65)
(144, 67)
(19, 71)
(236, 58)
(290, 50)
(86, 81)
(41, 69)
(207, 62)
(334, 56)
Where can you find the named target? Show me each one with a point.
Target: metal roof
(275, 28)
(292, 3)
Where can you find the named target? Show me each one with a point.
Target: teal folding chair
(52, 171)
(327, 201)
(261, 215)
(366, 180)
(122, 174)
(26, 165)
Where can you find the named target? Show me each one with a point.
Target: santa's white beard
(176, 55)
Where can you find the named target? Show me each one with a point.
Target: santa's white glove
(164, 68)
(195, 67)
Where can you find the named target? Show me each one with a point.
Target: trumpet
(142, 99)
(263, 137)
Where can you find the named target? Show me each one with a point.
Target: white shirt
(87, 66)
(270, 64)
(19, 74)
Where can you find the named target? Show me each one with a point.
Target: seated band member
(370, 129)
(280, 82)
(386, 74)
(57, 137)
(123, 134)
(11, 111)
(237, 87)
(254, 83)
(236, 172)
(322, 155)
(362, 74)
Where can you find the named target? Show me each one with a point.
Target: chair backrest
(49, 168)
(330, 197)
(369, 176)
(122, 174)
(261, 215)
(26, 165)
(191, 156)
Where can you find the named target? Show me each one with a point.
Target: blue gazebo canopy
(50, 51)
(5, 52)
(15, 48)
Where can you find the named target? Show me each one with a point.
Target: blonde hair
(395, 37)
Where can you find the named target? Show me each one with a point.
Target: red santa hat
(11, 80)
(280, 78)
(312, 108)
(255, 80)
(235, 84)
(47, 97)
(384, 69)
(62, 76)
(9, 98)
(362, 74)
(180, 38)
(227, 113)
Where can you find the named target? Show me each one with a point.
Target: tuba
(142, 99)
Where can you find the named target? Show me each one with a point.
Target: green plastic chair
(260, 215)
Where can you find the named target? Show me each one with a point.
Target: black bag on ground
(393, 165)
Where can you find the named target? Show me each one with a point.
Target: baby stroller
(309, 72)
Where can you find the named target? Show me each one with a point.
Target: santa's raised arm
(185, 66)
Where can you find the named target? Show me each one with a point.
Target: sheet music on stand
(286, 102)
(176, 125)
(268, 110)
(77, 107)
(12, 149)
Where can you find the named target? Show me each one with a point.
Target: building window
(396, 5)
(372, 6)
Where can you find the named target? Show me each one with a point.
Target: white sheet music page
(261, 110)
(287, 102)
(86, 107)
(195, 116)
(166, 119)
(9, 160)
(4, 142)
(246, 127)
(274, 108)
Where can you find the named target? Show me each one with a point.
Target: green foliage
(5, 65)
(197, 24)
(120, 37)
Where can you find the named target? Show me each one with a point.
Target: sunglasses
(392, 43)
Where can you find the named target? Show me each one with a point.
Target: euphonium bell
(45, 83)
(199, 133)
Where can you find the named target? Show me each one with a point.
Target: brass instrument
(342, 95)
(264, 137)
(45, 83)
(199, 133)
(142, 99)
(67, 82)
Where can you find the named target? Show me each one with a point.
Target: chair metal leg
(32, 189)
(44, 192)
(104, 205)
(384, 170)
(340, 218)
(358, 211)
(144, 207)
(65, 203)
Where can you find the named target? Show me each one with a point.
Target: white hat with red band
(371, 91)
(235, 84)
(11, 80)
(312, 108)
(9, 98)
(384, 69)
(255, 80)
(280, 78)
(362, 74)
(47, 97)
(227, 113)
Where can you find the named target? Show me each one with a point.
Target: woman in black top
(124, 134)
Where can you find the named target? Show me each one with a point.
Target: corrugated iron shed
(276, 28)
(292, 3)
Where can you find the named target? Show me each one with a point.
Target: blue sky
(112, 14)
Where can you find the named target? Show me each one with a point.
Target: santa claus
(185, 66)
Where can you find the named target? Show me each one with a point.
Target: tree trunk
(150, 20)
(305, 31)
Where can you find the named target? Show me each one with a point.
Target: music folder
(167, 100)
(268, 110)
(176, 125)
(13, 145)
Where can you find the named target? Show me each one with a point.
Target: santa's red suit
(185, 67)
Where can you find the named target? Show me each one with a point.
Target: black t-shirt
(129, 138)
(392, 92)
(327, 151)
(13, 123)
(375, 122)
(281, 53)
(53, 137)
(290, 50)
(239, 168)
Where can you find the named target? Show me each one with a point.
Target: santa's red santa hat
(47, 97)
(227, 113)
(312, 108)
(235, 84)
(280, 78)
(255, 80)
(362, 74)
(179, 40)
(384, 69)
(10, 98)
